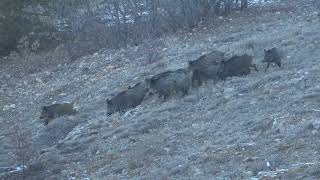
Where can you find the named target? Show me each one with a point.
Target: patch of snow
(18, 168)
(261, 2)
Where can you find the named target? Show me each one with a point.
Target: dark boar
(56, 110)
(170, 82)
(272, 56)
(206, 67)
(237, 66)
(130, 98)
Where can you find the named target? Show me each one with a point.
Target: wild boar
(53, 111)
(169, 83)
(237, 66)
(206, 67)
(130, 98)
(272, 55)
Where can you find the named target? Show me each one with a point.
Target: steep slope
(262, 126)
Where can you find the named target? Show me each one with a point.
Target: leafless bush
(22, 146)
(118, 23)
(153, 55)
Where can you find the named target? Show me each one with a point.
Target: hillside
(262, 126)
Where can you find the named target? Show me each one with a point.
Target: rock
(178, 169)
(315, 125)
(36, 166)
(39, 80)
(53, 162)
(312, 96)
(9, 107)
(250, 159)
(249, 173)
(53, 132)
(229, 92)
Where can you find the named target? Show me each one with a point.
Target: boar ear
(108, 101)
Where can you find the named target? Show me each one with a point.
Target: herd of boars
(212, 66)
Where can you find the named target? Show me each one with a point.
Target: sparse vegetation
(22, 148)
(106, 23)
(261, 125)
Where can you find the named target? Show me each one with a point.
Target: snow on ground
(262, 126)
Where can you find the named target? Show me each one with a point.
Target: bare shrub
(118, 23)
(22, 146)
(251, 45)
(152, 55)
